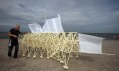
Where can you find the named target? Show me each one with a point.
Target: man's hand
(14, 36)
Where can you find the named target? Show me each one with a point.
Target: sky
(84, 16)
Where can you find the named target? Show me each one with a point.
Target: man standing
(13, 41)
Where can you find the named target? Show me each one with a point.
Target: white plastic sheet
(90, 44)
(53, 25)
(44, 29)
(35, 28)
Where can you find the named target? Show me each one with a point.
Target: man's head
(17, 27)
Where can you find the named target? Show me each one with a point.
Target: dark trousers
(15, 52)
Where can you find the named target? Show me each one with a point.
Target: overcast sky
(84, 16)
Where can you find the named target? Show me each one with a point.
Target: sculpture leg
(66, 61)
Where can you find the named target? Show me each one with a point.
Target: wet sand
(85, 62)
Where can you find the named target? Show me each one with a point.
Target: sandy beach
(85, 62)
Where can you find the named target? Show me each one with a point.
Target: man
(13, 41)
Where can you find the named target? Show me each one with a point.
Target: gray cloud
(86, 16)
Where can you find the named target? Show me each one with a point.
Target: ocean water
(104, 35)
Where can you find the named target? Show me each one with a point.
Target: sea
(104, 35)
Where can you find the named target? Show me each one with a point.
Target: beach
(85, 62)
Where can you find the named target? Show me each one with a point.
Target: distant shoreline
(104, 35)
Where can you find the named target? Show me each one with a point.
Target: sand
(85, 62)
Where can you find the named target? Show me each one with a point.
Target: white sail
(90, 44)
(35, 28)
(53, 25)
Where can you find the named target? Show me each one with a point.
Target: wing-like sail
(35, 28)
(90, 44)
(53, 25)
